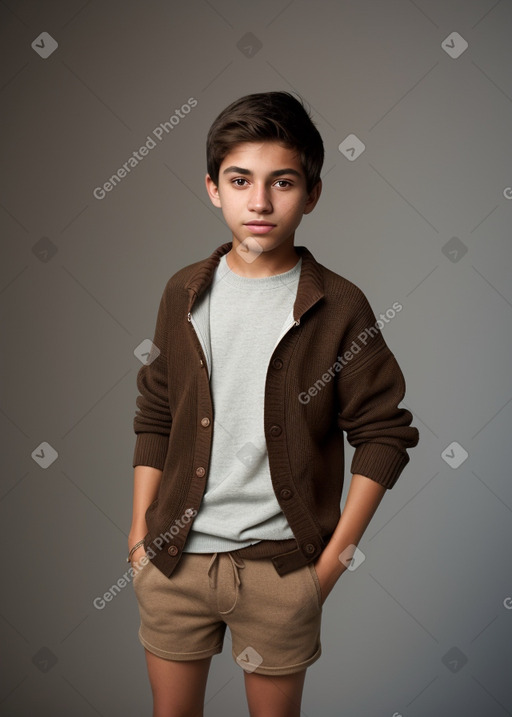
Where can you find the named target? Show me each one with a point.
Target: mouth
(259, 227)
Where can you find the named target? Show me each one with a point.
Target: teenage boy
(265, 358)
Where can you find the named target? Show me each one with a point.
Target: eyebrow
(275, 173)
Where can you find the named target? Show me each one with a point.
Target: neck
(256, 265)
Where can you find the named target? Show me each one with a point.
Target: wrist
(136, 537)
(331, 563)
(139, 545)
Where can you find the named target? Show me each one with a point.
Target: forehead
(262, 156)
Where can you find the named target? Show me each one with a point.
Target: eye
(284, 182)
(238, 179)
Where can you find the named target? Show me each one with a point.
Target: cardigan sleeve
(370, 388)
(152, 422)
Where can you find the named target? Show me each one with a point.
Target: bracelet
(137, 545)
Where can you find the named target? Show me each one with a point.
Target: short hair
(267, 116)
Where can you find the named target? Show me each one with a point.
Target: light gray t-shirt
(247, 318)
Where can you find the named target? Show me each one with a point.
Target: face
(262, 193)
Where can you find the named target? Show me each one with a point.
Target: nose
(259, 200)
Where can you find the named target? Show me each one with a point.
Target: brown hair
(271, 116)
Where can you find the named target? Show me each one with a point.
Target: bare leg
(178, 687)
(270, 696)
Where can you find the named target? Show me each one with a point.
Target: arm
(152, 424)
(363, 499)
(153, 419)
(370, 390)
(146, 481)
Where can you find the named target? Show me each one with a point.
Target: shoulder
(340, 289)
(179, 280)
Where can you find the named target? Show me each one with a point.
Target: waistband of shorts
(266, 549)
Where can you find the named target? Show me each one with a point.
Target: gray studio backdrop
(414, 102)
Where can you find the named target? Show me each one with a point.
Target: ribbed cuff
(150, 450)
(379, 462)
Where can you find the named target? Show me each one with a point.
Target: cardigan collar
(310, 288)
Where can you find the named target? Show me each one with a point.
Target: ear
(313, 197)
(213, 191)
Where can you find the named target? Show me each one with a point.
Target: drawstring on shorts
(212, 574)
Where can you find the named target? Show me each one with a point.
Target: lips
(259, 224)
(259, 227)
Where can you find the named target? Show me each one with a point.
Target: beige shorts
(274, 620)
